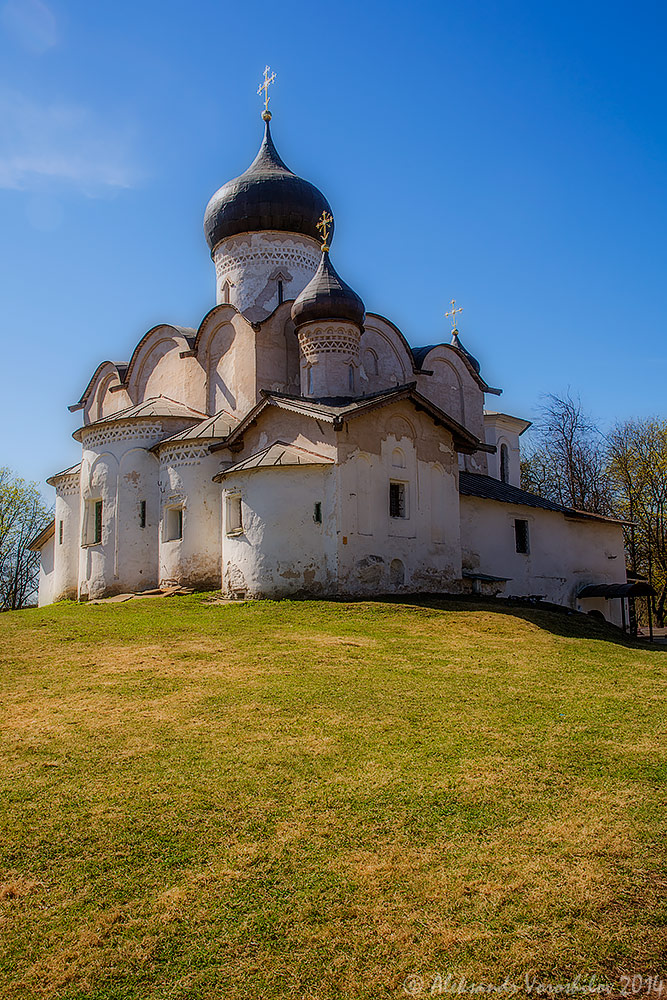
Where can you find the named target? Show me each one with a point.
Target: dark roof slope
(472, 484)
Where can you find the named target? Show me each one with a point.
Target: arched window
(350, 378)
(504, 464)
(225, 293)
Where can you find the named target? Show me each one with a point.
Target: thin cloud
(30, 23)
(59, 143)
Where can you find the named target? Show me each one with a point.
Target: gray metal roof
(336, 410)
(472, 484)
(219, 425)
(156, 406)
(74, 470)
(278, 454)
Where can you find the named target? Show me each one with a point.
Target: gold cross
(323, 226)
(452, 313)
(268, 80)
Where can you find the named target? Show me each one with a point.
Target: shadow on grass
(550, 617)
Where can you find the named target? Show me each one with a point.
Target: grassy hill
(318, 800)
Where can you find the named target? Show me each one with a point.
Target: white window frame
(172, 523)
(233, 514)
(88, 533)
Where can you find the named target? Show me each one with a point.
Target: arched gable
(95, 395)
(453, 387)
(226, 352)
(385, 355)
(162, 364)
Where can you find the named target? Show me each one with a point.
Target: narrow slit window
(142, 513)
(317, 513)
(281, 297)
(61, 531)
(97, 527)
(397, 498)
(504, 464)
(350, 378)
(521, 536)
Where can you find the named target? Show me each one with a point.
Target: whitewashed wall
(565, 555)
(248, 267)
(185, 481)
(46, 573)
(282, 551)
(66, 553)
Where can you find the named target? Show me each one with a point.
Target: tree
(567, 461)
(638, 472)
(22, 516)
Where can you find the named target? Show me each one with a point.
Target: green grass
(315, 800)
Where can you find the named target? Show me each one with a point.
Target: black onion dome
(267, 196)
(466, 354)
(326, 296)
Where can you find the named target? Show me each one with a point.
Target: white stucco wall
(185, 481)
(46, 579)
(119, 469)
(282, 550)
(565, 555)
(248, 267)
(66, 551)
(329, 359)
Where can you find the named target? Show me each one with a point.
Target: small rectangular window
(317, 513)
(234, 515)
(173, 524)
(521, 536)
(142, 513)
(97, 534)
(397, 504)
(61, 530)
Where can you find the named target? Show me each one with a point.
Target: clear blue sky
(510, 155)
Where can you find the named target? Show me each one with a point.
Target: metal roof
(36, 543)
(472, 484)
(219, 425)
(610, 590)
(336, 410)
(74, 470)
(156, 406)
(278, 454)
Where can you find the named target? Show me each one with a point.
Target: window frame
(522, 545)
(404, 498)
(169, 533)
(93, 522)
(234, 506)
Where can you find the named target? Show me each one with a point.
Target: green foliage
(22, 516)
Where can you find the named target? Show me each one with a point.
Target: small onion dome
(267, 196)
(326, 296)
(466, 354)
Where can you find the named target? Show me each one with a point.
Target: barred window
(397, 504)
(521, 536)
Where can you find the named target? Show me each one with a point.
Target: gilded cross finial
(451, 314)
(268, 80)
(324, 227)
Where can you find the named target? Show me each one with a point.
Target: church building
(294, 444)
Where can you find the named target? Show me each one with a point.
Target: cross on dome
(324, 227)
(451, 314)
(268, 80)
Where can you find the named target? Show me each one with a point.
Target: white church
(296, 445)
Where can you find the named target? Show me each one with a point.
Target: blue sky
(510, 155)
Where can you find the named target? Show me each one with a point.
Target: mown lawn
(318, 800)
